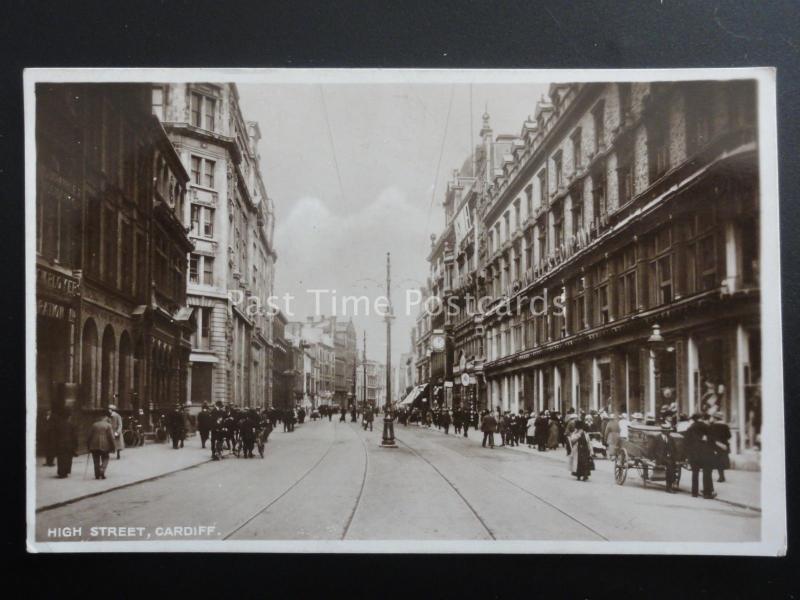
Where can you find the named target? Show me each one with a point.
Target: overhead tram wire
(330, 140)
(441, 154)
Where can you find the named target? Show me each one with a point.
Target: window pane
(196, 170)
(196, 98)
(193, 277)
(208, 271)
(209, 173)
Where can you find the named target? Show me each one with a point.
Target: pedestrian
(612, 436)
(47, 435)
(217, 430)
(342, 415)
(204, 424)
(116, 425)
(553, 431)
(721, 435)
(64, 441)
(541, 429)
(699, 449)
(488, 425)
(369, 417)
(623, 426)
(663, 450)
(580, 458)
(445, 420)
(530, 430)
(175, 426)
(101, 444)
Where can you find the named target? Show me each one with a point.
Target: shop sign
(54, 281)
(51, 310)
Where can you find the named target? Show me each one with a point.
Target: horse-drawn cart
(637, 452)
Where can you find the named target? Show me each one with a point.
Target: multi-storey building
(321, 365)
(112, 321)
(617, 254)
(375, 393)
(230, 219)
(343, 334)
(622, 252)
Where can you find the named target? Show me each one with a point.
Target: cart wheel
(621, 467)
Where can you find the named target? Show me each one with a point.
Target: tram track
(515, 485)
(361, 490)
(297, 482)
(452, 485)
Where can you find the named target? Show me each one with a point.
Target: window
(529, 249)
(517, 257)
(497, 239)
(507, 222)
(625, 100)
(542, 188)
(141, 273)
(660, 269)
(701, 252)
(194, 262)
(529, 200)
(202, 221)
(577, 208)
(558, 225)
(626, 281)
(599, 197)
(578, 305)
(699, 117)
(126, 252)
(658, 147)
(558, 170)
(602, 304)
(625, 175)
(598, 117)
(542, 243)
(208, 270)
(200, 339)
(203, 108)
(577, 154)
(158, 102)
(517, 215)
(110, 246)
(203, 171)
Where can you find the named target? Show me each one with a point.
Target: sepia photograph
(403, 311)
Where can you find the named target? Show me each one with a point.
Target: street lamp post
(388, 424)
(656, 343)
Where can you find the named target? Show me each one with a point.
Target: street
(332, 481)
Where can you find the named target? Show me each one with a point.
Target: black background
(436, 34)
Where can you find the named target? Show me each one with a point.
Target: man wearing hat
(204, 424)
(116, 426)
(720, 433)
(662, 448)
(700, 454)
(217, 430)
(175, 426)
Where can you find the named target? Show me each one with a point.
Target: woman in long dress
(580, 456)
(553, 432)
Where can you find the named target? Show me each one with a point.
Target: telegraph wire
(441, 153)
(330, 140)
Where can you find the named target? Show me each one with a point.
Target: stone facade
(231, 221)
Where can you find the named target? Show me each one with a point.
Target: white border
(773, 485)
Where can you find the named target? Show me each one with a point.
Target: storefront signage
(51, 310)
(54, 281)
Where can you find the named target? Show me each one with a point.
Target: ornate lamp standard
(388, 423)
(656, 344)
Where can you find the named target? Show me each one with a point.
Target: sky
(362, 182)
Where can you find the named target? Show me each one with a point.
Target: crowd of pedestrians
(584, 434)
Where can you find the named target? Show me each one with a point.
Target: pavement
(136, 465)
(333, 481)
(740, 488)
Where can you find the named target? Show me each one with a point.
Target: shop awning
(413, 395)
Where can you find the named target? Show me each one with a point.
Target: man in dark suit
(65, 441)
(175, 426)
(720, 434)
(488, 426)
(217, 430)
(700, 453)
(662, 449)
(204, 424)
